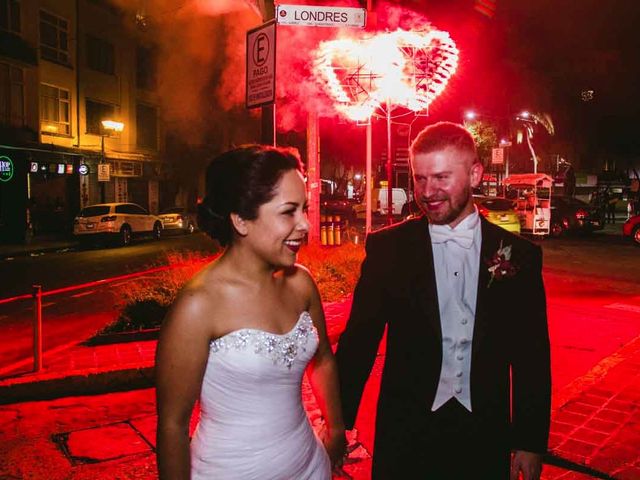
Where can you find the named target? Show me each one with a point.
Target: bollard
(330, 238)
(323, 230)
(37, 327)
(337, 231)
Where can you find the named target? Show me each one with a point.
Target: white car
(119, 221)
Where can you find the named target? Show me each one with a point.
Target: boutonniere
(500, 265)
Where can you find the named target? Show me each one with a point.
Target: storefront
(42, 194)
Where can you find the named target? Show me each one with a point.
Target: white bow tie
(444, 234)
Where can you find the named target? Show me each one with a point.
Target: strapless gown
(252, 421)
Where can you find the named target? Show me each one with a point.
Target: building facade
(66, 67)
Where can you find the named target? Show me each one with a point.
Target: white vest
(456, 270)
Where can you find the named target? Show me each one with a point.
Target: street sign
(497, 156)
(104, 172)
(316, 16)
(261, 65)
(83, 169)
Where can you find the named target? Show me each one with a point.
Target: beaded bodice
(280, 348)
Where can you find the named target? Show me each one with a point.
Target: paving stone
(555, 440)
(575, 419)
(628, 473)
(590, 436)
(611, 415)
(602, 425)
(578, 447)
(551, 472)
(611, 457)
(104, 443)
(146, 426)
(622, 405)
(561, 428)
(580, 408)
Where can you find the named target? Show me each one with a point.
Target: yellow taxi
(499, 211)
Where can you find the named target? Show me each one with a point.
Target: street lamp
(108, 126)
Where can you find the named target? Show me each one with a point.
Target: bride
(242, 333)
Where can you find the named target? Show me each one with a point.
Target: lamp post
(108, 126)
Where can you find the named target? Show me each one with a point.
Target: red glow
(400, 68)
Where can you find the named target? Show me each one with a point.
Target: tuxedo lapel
(490, 245)
(423, 280)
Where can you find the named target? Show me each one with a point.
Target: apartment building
(79, 115)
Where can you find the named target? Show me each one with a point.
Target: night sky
(543, 54)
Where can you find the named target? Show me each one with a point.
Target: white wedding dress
(252, 421)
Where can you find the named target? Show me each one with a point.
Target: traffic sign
(261, 65)
(317, 16)
(497, 156)
(104, 172)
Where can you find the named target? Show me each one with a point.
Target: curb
(83, 382)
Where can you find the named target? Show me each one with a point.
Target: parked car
(379, 201)
(337, 204)
(178, 218)
(631, 229)
(571, 215)
(499, 211)
(115, 221)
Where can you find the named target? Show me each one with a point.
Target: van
(379, 200)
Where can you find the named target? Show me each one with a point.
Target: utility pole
(268, 127)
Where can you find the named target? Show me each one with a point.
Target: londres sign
(316, 16)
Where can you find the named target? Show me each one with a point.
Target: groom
(466, 387)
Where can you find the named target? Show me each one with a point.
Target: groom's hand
(529, 463)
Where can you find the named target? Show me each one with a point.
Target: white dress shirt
(456, 258)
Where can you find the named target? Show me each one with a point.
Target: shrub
(144, 303)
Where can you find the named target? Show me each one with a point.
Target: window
(146, 68)
(54, 44)
(96, 113)
(100, 55)
(11, 95)
(55, 110)
(146, 126)
(10, 15)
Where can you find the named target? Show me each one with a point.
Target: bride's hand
(335, 442)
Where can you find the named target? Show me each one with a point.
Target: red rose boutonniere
(500, 265)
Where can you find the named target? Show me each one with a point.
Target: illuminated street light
(470, 115)
(525, 114)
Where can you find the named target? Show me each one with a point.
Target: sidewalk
(595, 423)
(37, 246)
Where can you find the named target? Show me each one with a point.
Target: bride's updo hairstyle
(240, 181)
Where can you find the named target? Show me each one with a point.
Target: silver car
(178, 218)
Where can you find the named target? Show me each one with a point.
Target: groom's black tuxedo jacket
(397, 289)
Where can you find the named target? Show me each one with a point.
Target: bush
(144, 303)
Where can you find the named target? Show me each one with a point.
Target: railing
(37, 294)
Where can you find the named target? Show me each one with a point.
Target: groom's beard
(450, 209)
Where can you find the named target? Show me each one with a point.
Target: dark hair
(240, 181)
(442, 135)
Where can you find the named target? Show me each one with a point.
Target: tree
(486, 138)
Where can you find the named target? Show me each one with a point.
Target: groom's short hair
(442, 135)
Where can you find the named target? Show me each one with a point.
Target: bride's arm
(323, 376)
(180, 363)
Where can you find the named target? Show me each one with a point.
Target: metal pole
(389, 168)
(368, 178)
(37, 328)
(103, 160)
